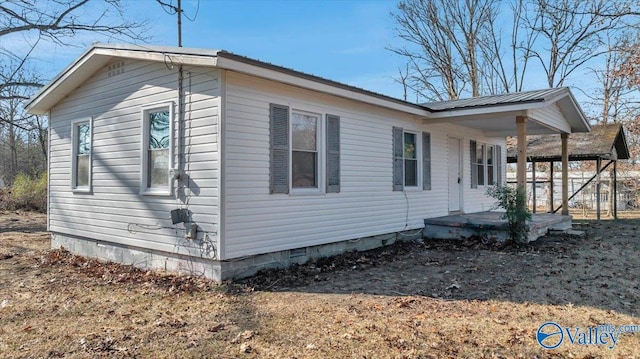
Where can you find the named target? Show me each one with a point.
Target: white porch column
(565, 173)
(521, 168)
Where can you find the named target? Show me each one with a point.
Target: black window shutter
(499, 165)
(474, 165)
(279, 160)
(426, 161)
(333, 154)
(398, 149)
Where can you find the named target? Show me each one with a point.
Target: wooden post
(521, 171)
(551, 187)
(615, 189)
(598, 163)
(565, 173)
(533, 184)
(584, 200)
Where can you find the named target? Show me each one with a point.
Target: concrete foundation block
(189, 261)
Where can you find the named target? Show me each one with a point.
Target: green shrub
(26, 193)
(514, 202)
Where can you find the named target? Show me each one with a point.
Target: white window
(485, 164)
(157, 150)
(305, 143)
(81, 153)
(491, 167)
(480, 162)
(304, 151)
(410, 157)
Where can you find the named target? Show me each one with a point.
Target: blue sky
(343, 40)
(338, 39)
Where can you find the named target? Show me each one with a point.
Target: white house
(216, 164)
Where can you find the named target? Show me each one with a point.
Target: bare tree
(614, 97)
(58, 21)
(508, 66)
(629, 66)
(444, 39)
(15, 131)
(456, 47)
(23, 144)
(571, 33)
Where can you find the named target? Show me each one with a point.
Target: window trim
(144, 158)
(425, 142)
(398, 160)
(481, 170)
(490, 149)
(74, 156)
(486, 148)
(321, 170)
(418, 160)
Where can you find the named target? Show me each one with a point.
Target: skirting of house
(220, 270)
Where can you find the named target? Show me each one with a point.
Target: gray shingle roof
(599, 143)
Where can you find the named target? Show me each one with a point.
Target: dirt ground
(409, 300)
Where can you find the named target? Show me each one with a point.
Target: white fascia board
(65, 82)
(580, 122)
(100, 54)
(494, 115)
(465, 113)
(94, 59)
(290, 79)
(167, 58)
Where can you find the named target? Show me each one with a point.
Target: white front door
(455, 176)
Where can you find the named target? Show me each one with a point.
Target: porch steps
(490, 226)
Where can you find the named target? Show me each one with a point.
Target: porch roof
(548, 111)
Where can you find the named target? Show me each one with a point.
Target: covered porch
(518, 115)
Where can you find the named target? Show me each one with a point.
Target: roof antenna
(174, 10)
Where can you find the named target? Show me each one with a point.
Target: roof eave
(573, 112)
(98, 56)
(493, 108)
(38, 104)
(233, 62)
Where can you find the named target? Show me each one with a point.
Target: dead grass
(441, 301)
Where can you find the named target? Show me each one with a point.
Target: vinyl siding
(115, 211)
(552, 117)
(258, 222)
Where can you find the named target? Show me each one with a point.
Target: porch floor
(489, 225)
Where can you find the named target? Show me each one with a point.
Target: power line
(176, 10)
(194, 15)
